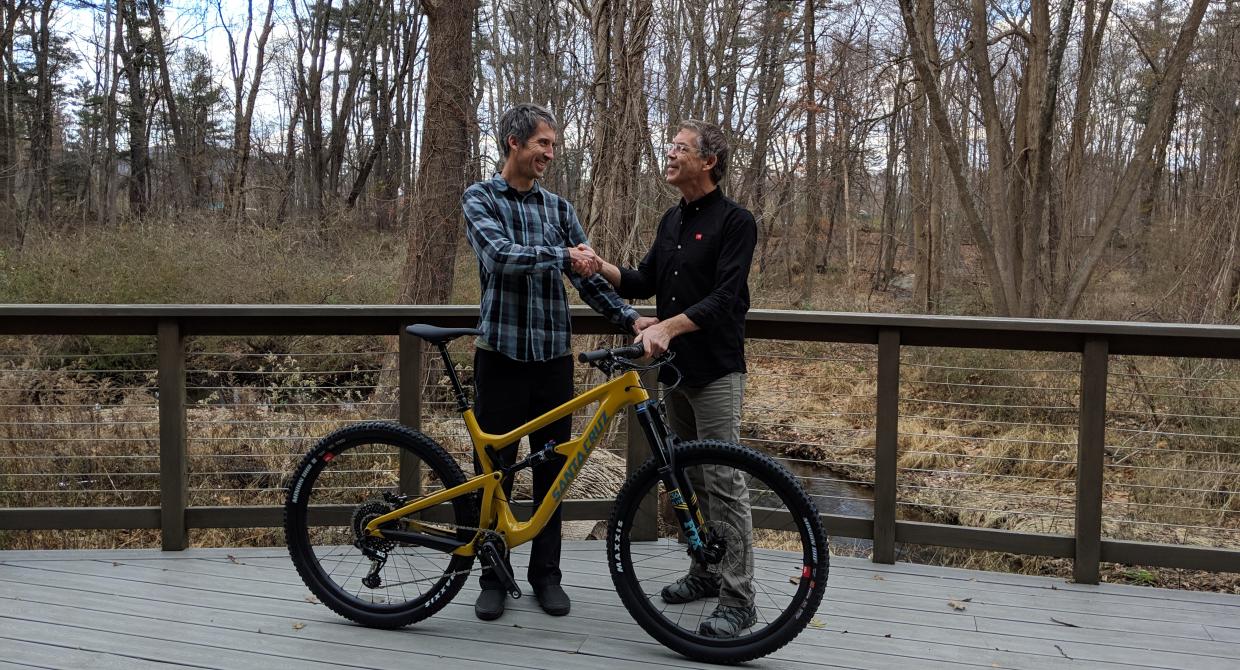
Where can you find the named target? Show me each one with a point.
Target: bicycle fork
(679, 489)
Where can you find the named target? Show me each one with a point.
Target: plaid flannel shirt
(521, 239)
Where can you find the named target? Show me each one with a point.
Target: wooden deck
(246, 608)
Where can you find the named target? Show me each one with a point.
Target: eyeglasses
(678, 148)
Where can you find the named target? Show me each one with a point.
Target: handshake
(587, 263)
(584, 261)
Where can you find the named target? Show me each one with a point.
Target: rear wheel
(768, 552)
(348, 479)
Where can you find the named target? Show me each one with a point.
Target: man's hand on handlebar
(654, 339)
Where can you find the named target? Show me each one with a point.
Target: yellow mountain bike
(384, 527)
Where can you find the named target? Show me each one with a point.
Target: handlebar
(630, 351)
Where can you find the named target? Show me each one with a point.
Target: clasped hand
(583, 260)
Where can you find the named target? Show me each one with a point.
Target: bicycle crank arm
(491, 558)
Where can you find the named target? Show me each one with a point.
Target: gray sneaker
(689, 588)
(728, 621)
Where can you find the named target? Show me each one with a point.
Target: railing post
(410, 412)
(886, 438)
(1091, 438)
(173, 470)
(646, 522)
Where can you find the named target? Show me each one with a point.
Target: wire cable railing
(989, 437)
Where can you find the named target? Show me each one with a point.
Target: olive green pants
(713, 412)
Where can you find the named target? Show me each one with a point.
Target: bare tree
(1142, 161)
(244, 100)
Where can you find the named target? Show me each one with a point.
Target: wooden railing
(1095, 342)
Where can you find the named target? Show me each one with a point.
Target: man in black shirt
(698, 269)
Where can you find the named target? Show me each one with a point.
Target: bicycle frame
(495, 513)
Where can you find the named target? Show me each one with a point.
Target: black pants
(507, 393)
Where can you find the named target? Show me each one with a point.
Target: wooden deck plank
(58, 656)
(915, 571)
(531, 619)
(324, 646)
(218, 598)
(1224, 633)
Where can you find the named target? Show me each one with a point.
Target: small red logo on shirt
(697, 236)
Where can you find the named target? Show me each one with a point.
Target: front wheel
(768, 561)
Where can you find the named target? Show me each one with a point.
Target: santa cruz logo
(574, 467)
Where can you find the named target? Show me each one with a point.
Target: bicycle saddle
(437, 335)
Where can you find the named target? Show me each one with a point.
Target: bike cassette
(374, 548)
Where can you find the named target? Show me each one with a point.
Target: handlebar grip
(630, 351)
(591, 356)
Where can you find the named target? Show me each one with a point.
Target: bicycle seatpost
(462, 402)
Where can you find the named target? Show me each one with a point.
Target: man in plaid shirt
(526, 239)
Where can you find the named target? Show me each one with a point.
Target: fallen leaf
(114, 564)
(816, 623)
(312, 600)
(232, 559)
(298, 626)
(956, 605)
(794, 580)
(1064, 623)
(879, 578)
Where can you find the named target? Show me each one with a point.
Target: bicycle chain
(455, 573)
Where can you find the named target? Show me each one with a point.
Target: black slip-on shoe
(490, 604)
(553, 599)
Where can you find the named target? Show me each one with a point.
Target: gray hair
(710, 142)
(521, 121)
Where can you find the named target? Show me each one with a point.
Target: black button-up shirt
(699, 267)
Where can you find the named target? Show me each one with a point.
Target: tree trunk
(620, 32)
(42, 116)
(1073, 209)
(181, 142)
(1000, 288)
(244, 101)
(435, 224)
(10, 222)
(812, 195)
(381, 123)
(130, 44)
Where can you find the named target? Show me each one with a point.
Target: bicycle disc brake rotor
(725, 546)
